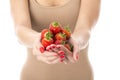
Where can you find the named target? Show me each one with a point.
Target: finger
(40, 58)
(65, 61)
(75, 49)
(56, 61)
(53, 48)
(75, 52)
(62, 56)
(58, 46)
(65, 49)
(47, 53)
(36, 52)
(51, 58)
(70, 58)
(75, 56)
(68, 53)
(61, 52)
(41, 47)
(48, 48)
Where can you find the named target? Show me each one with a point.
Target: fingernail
(53, 46)
(62, 56)
(58, 47)
(47, 49)
(55, 54)
(61, 60)
(61, 52)
(77, 57)
(41, 49)
(50, 47)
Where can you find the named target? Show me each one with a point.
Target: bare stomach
(37, 70)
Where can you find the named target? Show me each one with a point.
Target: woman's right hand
(46, 56)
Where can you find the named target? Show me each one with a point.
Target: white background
(104, 51)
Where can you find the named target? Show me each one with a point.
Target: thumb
(75, 48)
(75, 52)
(41, 47)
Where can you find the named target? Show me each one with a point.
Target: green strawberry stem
(71, 47)
(55, 24)
(63, 42)
(63, 35)
(49, 34)
(67, 28)
(48, 38)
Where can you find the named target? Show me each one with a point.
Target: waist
(60, 71)
(31, 59)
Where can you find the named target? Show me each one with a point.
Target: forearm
(88, 16)
(22, 22)
(26, 36)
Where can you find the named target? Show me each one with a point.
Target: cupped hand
(44, 56)
(56, 48)
(70, 57)
(68, 54)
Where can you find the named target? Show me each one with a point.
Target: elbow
(17, 34)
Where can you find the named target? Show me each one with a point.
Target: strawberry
(60, 42)
(55, 27)
(66, 30)
(47, 41)
(69, 46)
(46, 33)
(60, 36)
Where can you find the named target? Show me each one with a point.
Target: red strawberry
(47, 41)
(46, 33)
(69, 46)
(55, 27)
(67, 31)
(60, 42)
(60, 36)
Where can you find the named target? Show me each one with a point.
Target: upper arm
(20, 12)
(90, 7)
(89, 11)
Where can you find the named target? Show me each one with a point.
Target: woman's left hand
(70, 56)
(76, 48)
(79, 42)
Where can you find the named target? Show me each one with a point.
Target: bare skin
(87, 18)
(52, 2)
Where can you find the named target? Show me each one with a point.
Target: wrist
(26, 36)
(82, 38)
(37, 38)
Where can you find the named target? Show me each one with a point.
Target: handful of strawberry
(56, 34)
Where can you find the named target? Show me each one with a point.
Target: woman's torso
(65, 14)
(41, 17)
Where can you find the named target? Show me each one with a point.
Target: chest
(42, 16)
(52, 2)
